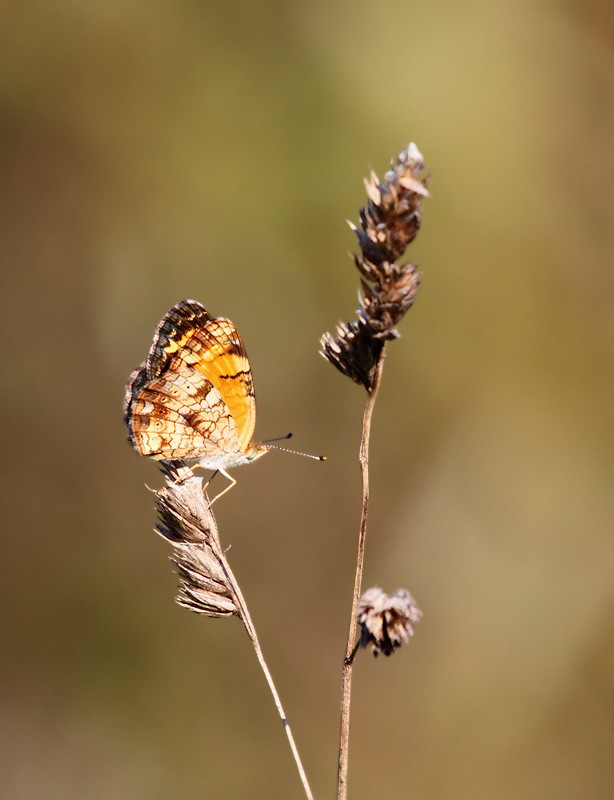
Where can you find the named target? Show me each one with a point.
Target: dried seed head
(187, 522)
(389, 223)
(354, 352)
(386, 622)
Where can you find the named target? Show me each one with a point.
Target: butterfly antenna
(278, 439)
(296, 453)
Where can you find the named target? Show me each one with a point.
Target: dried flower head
(386, 622)
(389, 223)
(187, 522)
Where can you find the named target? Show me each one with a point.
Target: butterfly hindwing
(179, 415)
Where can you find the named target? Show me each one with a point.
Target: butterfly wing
(179, 415)
(224, 362)
(176, 327)
(194, 396)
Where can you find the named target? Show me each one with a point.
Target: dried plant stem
(251, 631)
(207, 584)
(351, 645)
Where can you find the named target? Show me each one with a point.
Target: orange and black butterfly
(193, 398)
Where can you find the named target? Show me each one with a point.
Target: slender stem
(351, 649)
(251, 631)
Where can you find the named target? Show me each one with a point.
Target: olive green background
(152, 151)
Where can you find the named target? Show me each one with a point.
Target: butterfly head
(255, 450)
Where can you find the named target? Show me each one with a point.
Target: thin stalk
(251, 631)
(348, 661)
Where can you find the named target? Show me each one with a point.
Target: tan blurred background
(152, 151)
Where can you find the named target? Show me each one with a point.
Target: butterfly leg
(226, 475)
(180, 478)
(182, 473)
(210, 479)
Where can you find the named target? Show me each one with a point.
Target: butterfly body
(224, 461)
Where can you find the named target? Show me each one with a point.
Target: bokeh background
(152, 151)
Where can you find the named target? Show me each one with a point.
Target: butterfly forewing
(174, 329)
(226, 365)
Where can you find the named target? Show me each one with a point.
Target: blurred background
(152, 151)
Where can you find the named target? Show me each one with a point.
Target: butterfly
(193, 398)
